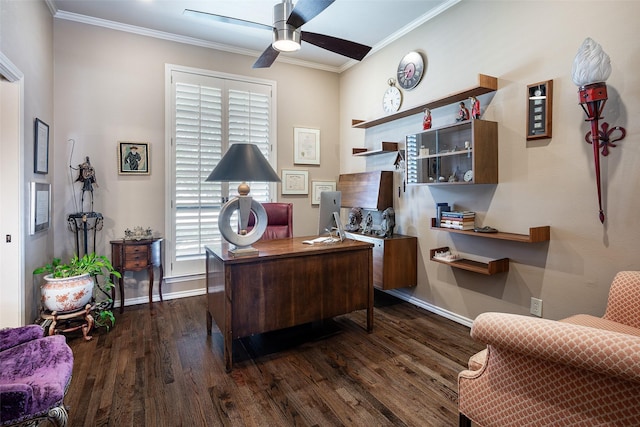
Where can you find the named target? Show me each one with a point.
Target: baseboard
(432, 308)
(401, 295)
(165, 297)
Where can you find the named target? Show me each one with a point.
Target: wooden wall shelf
(536, 234)
(485, 85)
(488, 269)
(387, 147)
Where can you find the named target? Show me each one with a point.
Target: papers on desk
(322, 239)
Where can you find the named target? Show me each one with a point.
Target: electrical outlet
(536, 307)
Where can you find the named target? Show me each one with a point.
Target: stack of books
(458, 220)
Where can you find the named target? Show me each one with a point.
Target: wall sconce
(591, 68)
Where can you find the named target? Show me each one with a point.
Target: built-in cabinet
(395, 260)
(460, 153)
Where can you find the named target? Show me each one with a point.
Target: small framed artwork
(295, 181)
(41, 148)
(318, 187)
(539, 110)
(133, 158)
(40, 207)
(306, 146)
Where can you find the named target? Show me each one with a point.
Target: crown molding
(68, 16)
(74, 17)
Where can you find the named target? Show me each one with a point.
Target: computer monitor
(330, 202)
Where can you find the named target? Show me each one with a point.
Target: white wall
(549, 182)
(26, 39)
(110, 87)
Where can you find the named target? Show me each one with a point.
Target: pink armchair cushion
(623, 305)
(279, 221)
(542, 372)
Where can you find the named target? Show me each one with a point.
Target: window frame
(183, 269)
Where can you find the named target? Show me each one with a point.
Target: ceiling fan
(287, 33)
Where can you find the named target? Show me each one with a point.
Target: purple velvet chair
(35, 372)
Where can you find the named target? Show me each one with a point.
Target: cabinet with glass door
(460, 153)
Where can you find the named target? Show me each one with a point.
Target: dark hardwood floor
(158, 367)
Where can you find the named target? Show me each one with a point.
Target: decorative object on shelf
(306, 146)
(410, 70)
(441, 207)
(388, 223)
(295, 181)
(138, 233)
(446, 256)
(468, 176)
(367, 224)
(426, 121)
(41, 148)
(355, 218)
(475, 107)
(40, 207)
(243, 162)
(539, 110)
(318, 187)
(485, 229)
(392, 98)
(463, 113)
(133, 158)
(591, 68)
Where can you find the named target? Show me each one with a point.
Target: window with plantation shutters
(209, 113)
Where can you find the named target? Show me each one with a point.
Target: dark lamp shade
(243, 162)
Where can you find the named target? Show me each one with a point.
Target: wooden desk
(137, 255)
(287, 284)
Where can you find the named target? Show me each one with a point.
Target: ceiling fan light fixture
(286, 40)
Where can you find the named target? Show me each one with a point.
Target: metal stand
(83, 223)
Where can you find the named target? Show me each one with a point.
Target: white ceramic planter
(66, 294)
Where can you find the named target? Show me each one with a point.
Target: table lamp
(243, 162)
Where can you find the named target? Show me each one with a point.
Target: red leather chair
(279, 221)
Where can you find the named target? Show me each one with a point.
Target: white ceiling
(375, 23)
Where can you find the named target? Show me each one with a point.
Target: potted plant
(69, 287)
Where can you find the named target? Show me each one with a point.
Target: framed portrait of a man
(133, 158)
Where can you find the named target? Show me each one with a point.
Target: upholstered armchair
(580, 371)
(279, 221)
(35, 372)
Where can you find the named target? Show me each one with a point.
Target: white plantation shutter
(209, 114)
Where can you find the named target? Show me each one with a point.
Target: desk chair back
(279, 221)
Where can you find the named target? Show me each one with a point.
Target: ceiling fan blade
(306, 10)
(340, 46)
(267, 58)
(226, 19)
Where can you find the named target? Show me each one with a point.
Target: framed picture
(40, 207)
(539, 110)
(318, 187)
(41, 148)
(133, 158)
(306, 146)
(295, 181)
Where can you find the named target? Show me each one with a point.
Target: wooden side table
(137, 255)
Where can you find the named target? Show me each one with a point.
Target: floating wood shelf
(536, 234)
(486, 84)
(488, 269)
(387, 147)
